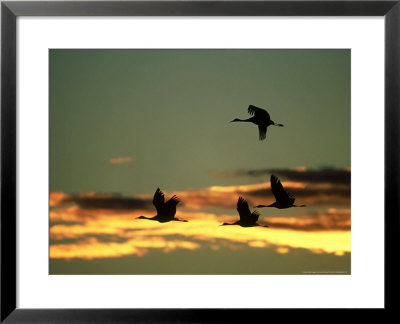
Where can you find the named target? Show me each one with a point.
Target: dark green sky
(170, 110)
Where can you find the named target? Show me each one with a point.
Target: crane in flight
(165, 210)
(247, 218)
(261, 118)
(283, 199)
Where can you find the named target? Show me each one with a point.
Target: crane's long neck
(227, 224)
(241, 120)
(144, 217)
(299, 206)
(272, 205)
(275, 124)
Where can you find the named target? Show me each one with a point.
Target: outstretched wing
(170, 206)
(158, 201)
(277, 189)
(243, 209)
(262, 132)
(258, 112)
(253, 217)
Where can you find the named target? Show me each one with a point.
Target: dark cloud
(323, 175)
(112, 202)
(326, 175)
(309, 227)
(308, 195)
(63, 222)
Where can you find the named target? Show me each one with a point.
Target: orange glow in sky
(81, 233)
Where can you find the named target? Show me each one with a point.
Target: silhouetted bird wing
(280, 194)
(258, 112)
(170, 206)
(244, 211)
(262, 132)
(158, 201)
(253, 217)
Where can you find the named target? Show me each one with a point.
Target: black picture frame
(10, 10)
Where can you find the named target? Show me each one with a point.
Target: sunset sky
(124, 122)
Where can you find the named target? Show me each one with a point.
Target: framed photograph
(163, 159)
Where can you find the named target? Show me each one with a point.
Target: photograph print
(200, 161)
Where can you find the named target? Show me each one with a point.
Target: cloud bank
(97, 225)
(300, 174)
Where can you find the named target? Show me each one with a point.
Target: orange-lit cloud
(57, 197)
(300, 169)
(91, 248)
(332, 219)
(121, 160)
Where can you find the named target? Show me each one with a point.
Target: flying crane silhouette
(165, 210)
(283, 199)
(247, 219)
(261, 118)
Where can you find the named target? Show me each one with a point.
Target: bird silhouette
(165, 210)
(247, 219)
(283, 199)
(261, 118)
